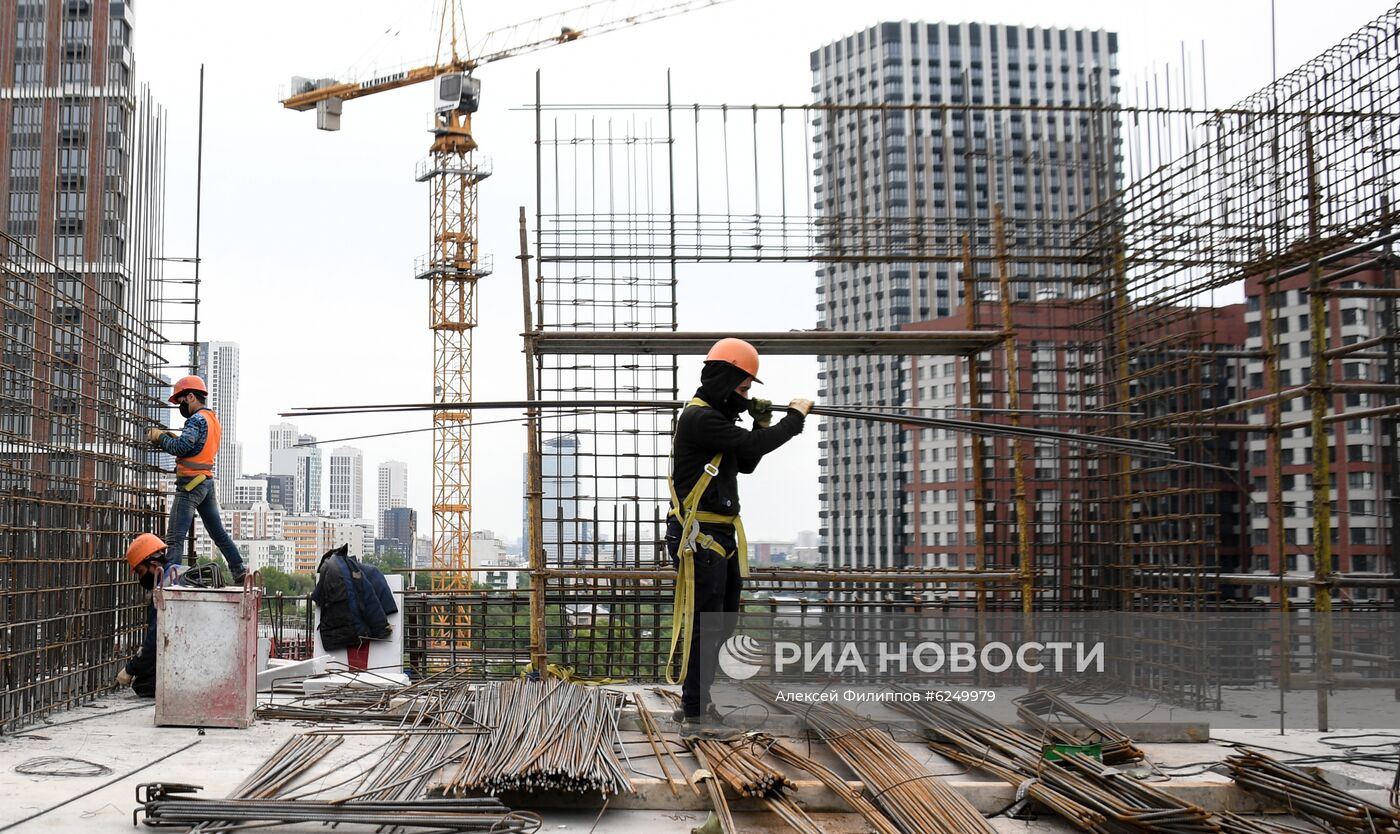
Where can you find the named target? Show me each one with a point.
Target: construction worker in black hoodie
(704, 534)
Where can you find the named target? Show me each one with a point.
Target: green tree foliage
(289, 584)
(388, 561)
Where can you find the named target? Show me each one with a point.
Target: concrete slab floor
(117, 732)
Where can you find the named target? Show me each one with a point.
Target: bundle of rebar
(170, 805)
(544, 735)
(918, 801)
(738, 764)
(1309, 796)
(1078, 787)
(853, 797)
(743, 772)
(1035, 708)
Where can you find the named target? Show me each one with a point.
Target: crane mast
(454, 262)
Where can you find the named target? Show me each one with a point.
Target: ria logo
(741, 657)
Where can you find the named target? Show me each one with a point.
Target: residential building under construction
(1108, 393)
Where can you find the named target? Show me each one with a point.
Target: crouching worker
(146, 556)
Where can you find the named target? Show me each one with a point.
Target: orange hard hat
(738, 353)
(189, 383)
(142, 548)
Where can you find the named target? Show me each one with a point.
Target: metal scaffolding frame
(630, 194)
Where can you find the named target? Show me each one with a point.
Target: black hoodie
(701, 432)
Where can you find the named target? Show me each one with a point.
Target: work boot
(703, 726)
(678, 714)
(239, 575)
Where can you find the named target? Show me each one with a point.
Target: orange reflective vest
(202, 462)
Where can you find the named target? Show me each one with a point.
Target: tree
(289, 584)
(388, 561)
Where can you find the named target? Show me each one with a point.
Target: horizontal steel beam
(780, 343)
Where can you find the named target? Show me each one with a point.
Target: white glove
(124, 677)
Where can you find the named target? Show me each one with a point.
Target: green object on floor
(1056, 752)
(711, 826)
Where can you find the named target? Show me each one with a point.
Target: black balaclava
(717, 383)
(148, 580)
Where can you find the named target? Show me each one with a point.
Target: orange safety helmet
(142, 548)
(189, 383)
(738, 353)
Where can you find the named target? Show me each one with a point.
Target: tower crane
(454, 262)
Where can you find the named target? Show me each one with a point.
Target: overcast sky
(309, 237)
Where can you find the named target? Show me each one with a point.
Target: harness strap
(690, 516)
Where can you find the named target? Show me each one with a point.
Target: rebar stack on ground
(715, 790)
(1079, 788)
(1308, 796)
(858, 801)
(293, 759)
(361, 705)
(738, 764)
(743, 772)
(1035, 708)
(918, 801)
(170, 805)
(412, 758)
(659, 746)
(545, 735)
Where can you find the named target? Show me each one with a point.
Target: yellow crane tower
(455, 263)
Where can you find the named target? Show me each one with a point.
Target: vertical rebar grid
(603, 474)
(77, 390)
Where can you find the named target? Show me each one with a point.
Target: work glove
(153, 436)
(762, 412)
(804, 406)
(124, 677)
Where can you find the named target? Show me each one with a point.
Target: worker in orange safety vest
(195, 448)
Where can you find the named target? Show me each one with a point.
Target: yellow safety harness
(690, 516)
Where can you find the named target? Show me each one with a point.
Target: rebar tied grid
(78, 388)
(1285, 202)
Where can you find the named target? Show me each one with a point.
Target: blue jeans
(201, 499)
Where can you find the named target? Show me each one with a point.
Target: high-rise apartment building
(280, 436)
(218, 362)
(81, 171)
(74, 127)
(309, 470)
(393, 489)
(398, 533)
(281, 490)
(302, 461)
(1069, 488)
(1360, 451)
(566, 538)
(246, 493)
(945, 171)
(347, 483)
